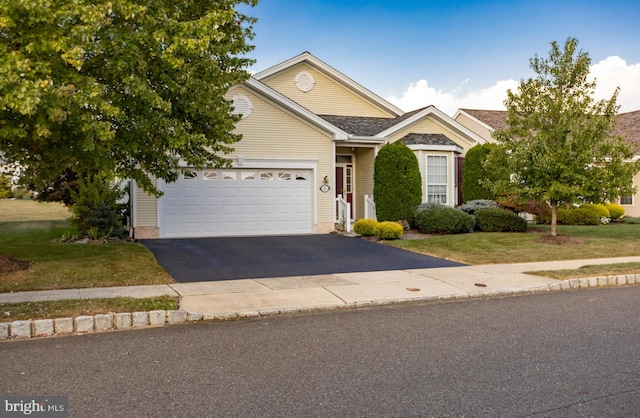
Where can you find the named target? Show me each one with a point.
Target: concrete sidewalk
(252, 297)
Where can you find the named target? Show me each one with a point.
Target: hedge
(444, 220)
(499, 220)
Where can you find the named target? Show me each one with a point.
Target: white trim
(446, 148)
(432, 110)
(312, 60)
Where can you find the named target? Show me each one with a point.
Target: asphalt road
(573, 353)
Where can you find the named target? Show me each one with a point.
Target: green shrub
(365, 227)
(445, 220)
(631, 220)
(616, 211)
(96, 209)
(578, 216)
(397, 187)
(499, 220)
(388, 230)
(5, 187)
(472, 206)
(598, 209)
(474, 173)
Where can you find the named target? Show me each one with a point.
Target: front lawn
(613, 240)
(60, 265)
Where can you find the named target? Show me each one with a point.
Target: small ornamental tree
(560, 143)
(475, 175)
(397, 186)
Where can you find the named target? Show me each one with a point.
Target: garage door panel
(237, 202)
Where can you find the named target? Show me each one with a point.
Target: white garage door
(237, 202)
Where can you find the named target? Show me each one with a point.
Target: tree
(559, 141)
(129, 87)
(474, 174)
(397, 187)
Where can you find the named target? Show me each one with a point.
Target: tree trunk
(554, 219)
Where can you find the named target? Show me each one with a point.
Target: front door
(344, 183)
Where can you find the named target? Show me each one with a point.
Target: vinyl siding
(327, 97)
(475, 127)
(146, 207)
(270, 132)
(365, 159)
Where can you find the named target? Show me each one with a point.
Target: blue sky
(450, 53)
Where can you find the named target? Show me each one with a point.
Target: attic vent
(305, 81)
(242, 105)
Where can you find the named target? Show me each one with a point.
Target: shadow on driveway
(231, 258)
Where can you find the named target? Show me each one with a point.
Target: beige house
(484, 122)
(310, 138)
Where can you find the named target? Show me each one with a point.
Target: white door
(238, 202)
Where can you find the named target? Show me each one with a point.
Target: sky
(451, 54)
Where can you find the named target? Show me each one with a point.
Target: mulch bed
(10, 265)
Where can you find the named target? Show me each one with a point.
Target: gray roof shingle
(427, 139)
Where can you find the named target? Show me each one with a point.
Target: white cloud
(609, 73)
(615, 72)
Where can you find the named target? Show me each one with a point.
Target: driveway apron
(231, 258)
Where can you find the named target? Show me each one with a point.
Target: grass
(71, 308)
(613, 240)
(590, 271)
(60, 265)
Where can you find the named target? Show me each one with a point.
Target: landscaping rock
(21, 329)
(103, 321)
(140, 319)
(157, 317)
(84, 323)
(122, 320)
(43, 327)
(63, 325)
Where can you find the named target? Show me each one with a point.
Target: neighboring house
(484, 122)
(12, 171)
(310, 133)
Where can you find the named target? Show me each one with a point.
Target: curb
(35, 328)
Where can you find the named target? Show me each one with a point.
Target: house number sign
(325, 188)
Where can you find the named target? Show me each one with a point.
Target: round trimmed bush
(616, 211)
(444, 220)
(578, 216)
(499, 220)
(365, 227)
(472, 206)
(598, 209)
(388, 230)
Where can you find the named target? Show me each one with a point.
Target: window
(189, 175)
(229, 175)
(437, 179)
(210, 175)
(284, 175)
(248, 175)
(626, 200)
(302, 176)
(265, 176)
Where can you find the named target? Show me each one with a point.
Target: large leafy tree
(560, 142)
(129, 87)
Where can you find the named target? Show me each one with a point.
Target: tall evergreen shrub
(473, 173)
(397, 186)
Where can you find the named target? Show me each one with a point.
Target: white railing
(369, 207)
(344, 214)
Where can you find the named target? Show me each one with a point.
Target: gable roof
(628, 124)
(628, 127)
(290, 105)
(427, 139)
(491, 119)
(313, 61)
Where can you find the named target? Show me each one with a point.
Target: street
(569, 353)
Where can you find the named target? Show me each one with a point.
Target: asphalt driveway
(231, 258)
